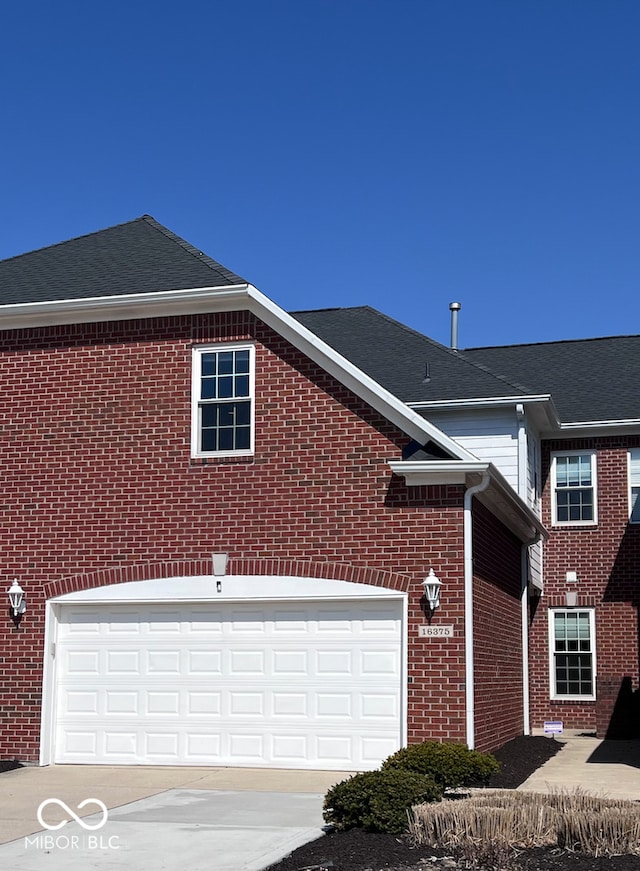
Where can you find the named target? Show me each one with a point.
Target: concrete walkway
(610, 769)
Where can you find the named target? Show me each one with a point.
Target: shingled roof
(412, 366)
(140, 256)
(589, 380)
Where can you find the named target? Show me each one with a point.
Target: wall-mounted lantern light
(17, 602)
(432, 586)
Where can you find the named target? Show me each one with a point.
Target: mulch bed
(9, 764)
(356, 850)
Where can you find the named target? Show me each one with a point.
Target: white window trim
(196, 358)
(629, 484)
(594, 484)
(552, 662)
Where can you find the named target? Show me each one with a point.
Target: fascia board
(417, 473)
(123, 307)
(488, 400)
(230, 298)
(542, 403)
(397, 412)
(589, 429)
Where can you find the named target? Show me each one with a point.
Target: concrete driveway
(157, 818)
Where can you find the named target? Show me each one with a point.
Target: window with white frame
(572, 647)
(634, 485)
(222, 400)
(573, 477)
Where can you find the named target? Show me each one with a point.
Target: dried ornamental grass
(495, 817)
(612, 831)
(573, 820)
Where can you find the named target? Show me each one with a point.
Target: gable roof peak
(138, 256)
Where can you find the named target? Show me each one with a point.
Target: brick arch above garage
(236, 566)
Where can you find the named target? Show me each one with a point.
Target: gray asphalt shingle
(588, 379)
(140, 256)
(410, 365)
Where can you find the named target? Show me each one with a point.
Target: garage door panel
(290, 705)
(78, 744)
(82, 662)
(119, 662)
(120, 703)
(161, 744)
(305, 685)
(79, 702)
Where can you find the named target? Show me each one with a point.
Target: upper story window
(572, 649)
(222, 400)
(634, 485)
(573, 477)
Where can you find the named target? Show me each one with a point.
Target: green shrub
(378, 801)
(450, 765)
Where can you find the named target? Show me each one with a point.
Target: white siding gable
(489, 434)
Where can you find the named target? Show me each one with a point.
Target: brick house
(223, 515)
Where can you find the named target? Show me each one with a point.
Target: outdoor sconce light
(17, 602)
(432, 586)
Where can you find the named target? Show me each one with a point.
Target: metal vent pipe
(454, 308)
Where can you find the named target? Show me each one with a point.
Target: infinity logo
(68, 810)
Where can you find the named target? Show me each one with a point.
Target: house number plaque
(443, 631)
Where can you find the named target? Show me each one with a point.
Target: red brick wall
(607, 561)
(497, 631)
(97, 477)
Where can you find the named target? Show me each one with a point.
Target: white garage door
(282, 684)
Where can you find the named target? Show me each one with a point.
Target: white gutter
(496, 401)
(423, 472)
(123, 306)
(588, 424)
(468, 607)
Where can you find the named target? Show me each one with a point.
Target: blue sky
(346, 152)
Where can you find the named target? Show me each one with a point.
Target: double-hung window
(573, 476)
(634, 485)
(572, 643)
(223, 400)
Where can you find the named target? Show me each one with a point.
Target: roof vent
(454, 308)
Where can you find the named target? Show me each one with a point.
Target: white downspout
(468, 607)
(524, 611)
(524, 565)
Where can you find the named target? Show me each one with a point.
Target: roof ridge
(331, 308)
(554, 342)
(200, 256)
